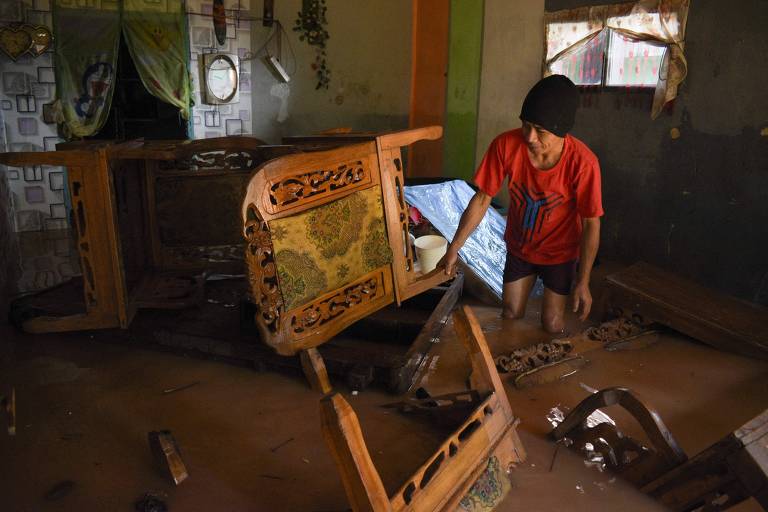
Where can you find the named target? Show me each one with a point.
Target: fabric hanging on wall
(660, 21)
(156, 36)
(86, 47)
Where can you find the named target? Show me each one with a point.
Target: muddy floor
(251, 440)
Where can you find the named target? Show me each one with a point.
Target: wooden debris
(167, 455)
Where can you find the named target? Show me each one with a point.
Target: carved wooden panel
(262, 272)
(299, 189)
(326, 309)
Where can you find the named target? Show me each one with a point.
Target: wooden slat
(713, 318)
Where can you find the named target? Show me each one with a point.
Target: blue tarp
(484, 252)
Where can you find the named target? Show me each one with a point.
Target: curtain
(661, 21)
(87, 36)
(157, 41)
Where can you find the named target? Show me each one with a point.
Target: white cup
(429, 250)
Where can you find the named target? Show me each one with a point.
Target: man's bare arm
(590, 241)
(470, 219)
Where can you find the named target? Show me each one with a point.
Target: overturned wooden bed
(486, 440)
(327, 243)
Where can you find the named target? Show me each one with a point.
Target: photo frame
(27, 126)
(33, 173)
(34, 195)
(25, 104)
(233, 126)
(48, 114)
(212, 119)
(56, 181)
(6, 105)
(46, 75)
(202, 36)
(15, 82)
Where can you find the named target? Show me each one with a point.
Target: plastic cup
(429, 250)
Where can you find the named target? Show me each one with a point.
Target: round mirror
(222, 78)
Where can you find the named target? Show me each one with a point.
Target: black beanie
(552, 104)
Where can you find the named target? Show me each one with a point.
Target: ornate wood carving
(262, 271)
(324, 310)
(525, 359)
(302, 187)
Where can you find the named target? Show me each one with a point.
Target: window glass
(633, 63)
(584, 66)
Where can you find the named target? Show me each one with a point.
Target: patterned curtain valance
(662, 21)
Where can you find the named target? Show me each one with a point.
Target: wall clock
(221, 72)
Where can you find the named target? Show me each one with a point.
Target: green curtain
(157, 40)
(87, 40)
(86, 45)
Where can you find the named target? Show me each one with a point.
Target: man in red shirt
(555, 208)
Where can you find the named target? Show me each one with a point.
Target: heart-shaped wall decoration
(41, 39)
(15, 41)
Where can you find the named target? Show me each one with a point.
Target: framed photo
(202, 36)
(58, 211)
(56, 181)
(33, 173)
(212, 119)
(48, 117)
(27, 126)
(49, 143)
(245, 115)
(234, 126)
(45, 75)
(25, 103)
(6, 105)
(13, 174)
(34, 195)
(15, 82)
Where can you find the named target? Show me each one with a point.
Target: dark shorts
(557, 278)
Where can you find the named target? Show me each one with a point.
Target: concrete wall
(698, 204)
(513, 40)
(369, 54)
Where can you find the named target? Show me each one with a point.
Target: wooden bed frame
(442, 481)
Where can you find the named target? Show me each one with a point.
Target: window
(635, 44)
(613, 59)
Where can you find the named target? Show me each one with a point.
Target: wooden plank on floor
(716, 319)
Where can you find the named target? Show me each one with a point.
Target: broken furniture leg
(486, 441)
(314, 369)
(167, 456)
(726, 473)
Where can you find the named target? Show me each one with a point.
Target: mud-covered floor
(252, 441)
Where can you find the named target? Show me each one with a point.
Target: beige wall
(369, 54)
(513, 40)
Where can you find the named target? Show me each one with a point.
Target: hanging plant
(311, 25)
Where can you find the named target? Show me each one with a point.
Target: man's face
(538, 139)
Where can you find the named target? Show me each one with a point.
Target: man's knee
(553, 323)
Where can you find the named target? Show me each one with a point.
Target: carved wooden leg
(314, 369)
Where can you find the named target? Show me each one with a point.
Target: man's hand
(449, 261)
(582, 298)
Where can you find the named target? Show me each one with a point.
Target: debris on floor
(59, 490)
(167, 455)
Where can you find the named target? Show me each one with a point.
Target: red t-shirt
(546, 207)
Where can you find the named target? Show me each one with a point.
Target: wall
(696, 205)
(233, 118)
(37, 193)
(369, 54)
(513, 40)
